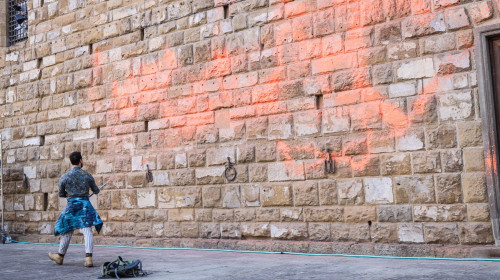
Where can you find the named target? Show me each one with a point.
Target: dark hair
(75, 158)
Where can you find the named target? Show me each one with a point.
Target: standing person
(79, 213)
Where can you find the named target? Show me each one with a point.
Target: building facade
(342, 120)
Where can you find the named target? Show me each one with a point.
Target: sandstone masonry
(387, 88)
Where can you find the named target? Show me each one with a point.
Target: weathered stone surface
(394, 213)
(322, 214)
(474, 187)
(357, 214)
(276, 195)
(395, 164)
(350, 232)
(350, 192)
(443, 233)
(476, 233)
(414, 189)
(426, 162)
(378, 190)
(388, 89)
(449, 188)
(411, 233)
(473, 159)
(305, 194)
(292, 231)
(478, 212)
(328, 194)
(382, 232)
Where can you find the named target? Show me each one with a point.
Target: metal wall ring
(230, 173)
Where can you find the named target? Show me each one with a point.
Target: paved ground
(22, 261)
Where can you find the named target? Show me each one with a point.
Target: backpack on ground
(120, 268)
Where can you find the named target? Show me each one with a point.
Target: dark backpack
(120, 268)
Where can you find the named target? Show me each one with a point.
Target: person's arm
(93, 185)
(62, 188)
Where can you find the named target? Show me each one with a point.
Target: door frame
(482, 35)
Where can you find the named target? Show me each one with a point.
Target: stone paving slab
(24, 261)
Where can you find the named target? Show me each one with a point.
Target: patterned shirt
(77, 182)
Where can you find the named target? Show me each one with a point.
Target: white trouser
(87, 235)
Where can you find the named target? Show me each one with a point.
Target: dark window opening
(42, 140)
(226, 11)
(142, 34)
(98, 132)
(18, 21)
(146, 124)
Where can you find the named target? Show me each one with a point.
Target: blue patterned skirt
(79, 213)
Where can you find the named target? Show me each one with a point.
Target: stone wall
(3, 23)
(386, 88)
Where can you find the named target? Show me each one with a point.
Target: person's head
(76, 159)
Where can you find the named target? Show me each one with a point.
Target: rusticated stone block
(355, 144)
(328, 192)
(322, 214)
(378, 190)
(441, 233)
(256, 230)
(350, 232)
(383, 232)
(474, 186)
(210, 230)
(196, 158)
(411, 233)
(291, 214)
(290, 231)
(414, 189)
(257, 172)
(478, 212)
(395, 164)
(456, 106)
(128, 199)
(359, 214)
(244, 215)
(231, 197)
(172, 230)
(268, 214)
(319, 231)
(426, 162)
(473, 159)
(305, 194)
(230, 231)
(286, 171)
(265, 152)
(212, 175)
(394, 213)
(469, 134)
(211, 196)
(187, 196)
(179, 215)
(190, 230)
(350, 192)
(182, 177)
(449, 188)
(295, 150)
(367, 165)
(440, 213)
(452, 160)
(275, 195)
(423, 25)
(223, 215)
(476, 233)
